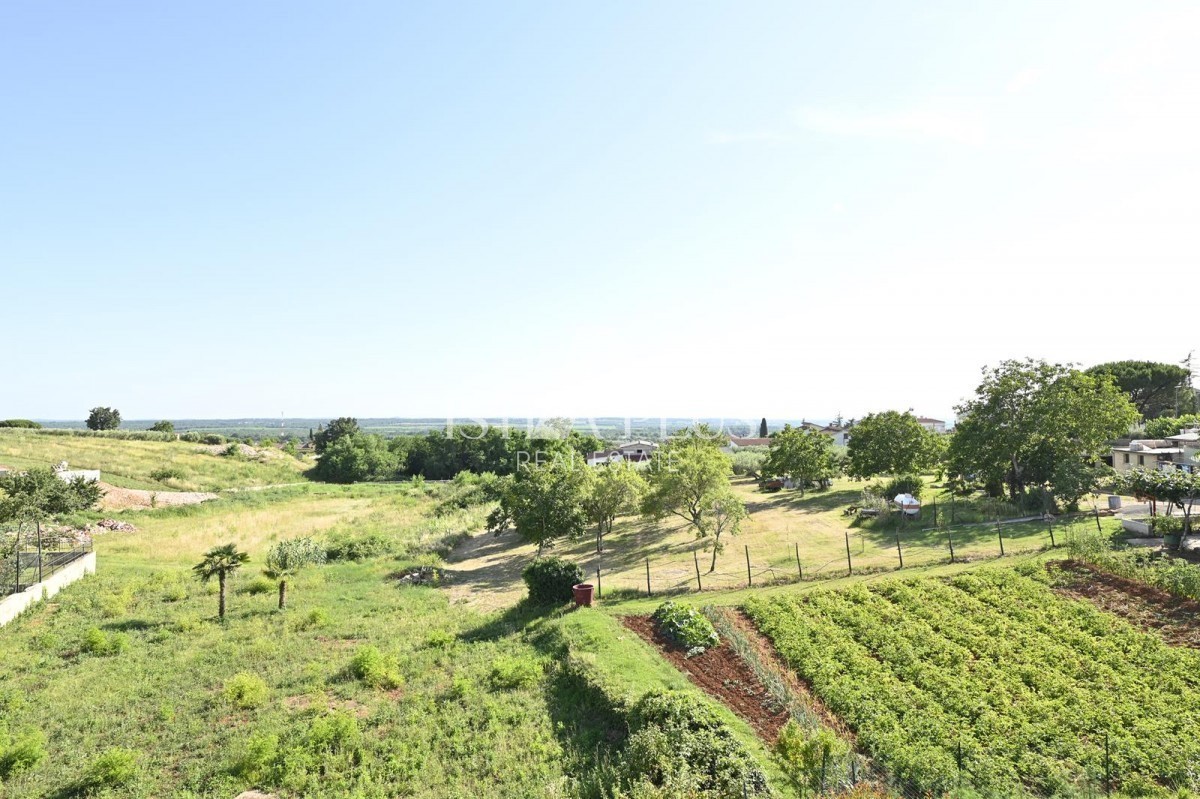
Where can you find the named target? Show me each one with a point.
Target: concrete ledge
(15, 605)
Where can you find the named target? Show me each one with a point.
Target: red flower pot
(583, 595)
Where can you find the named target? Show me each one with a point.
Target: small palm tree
(220, 562)
(288, 557)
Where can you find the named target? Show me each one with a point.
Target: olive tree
(689, 478)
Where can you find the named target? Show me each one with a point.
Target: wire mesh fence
(862, 551)
(29, 557)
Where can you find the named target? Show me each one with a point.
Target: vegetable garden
(992, 680)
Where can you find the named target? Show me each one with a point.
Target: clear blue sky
(793, 209)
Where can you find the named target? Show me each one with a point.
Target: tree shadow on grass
(132, 625)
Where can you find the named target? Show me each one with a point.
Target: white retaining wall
(15, 605)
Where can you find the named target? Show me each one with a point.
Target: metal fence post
(599, 593)
(648, 593)
(799, 571)
(1000, 535)
(749, 576)
(39, 546)
(849, 564)
(899, 551)
(950, 538)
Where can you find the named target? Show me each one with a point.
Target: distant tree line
(348, 454)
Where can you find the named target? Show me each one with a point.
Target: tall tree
(339, 428)
(164, 426)
(543, 503)
(612, 489)
(1155, 389)
(287, 558)
(1030, 421)
(690, 479)
(101, 418)
(889, 443)
(762, 428)
(220, 562)
(805, 455)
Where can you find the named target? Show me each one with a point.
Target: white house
(1161, 454)
(932, 425)
(839, 433)
(633, 452)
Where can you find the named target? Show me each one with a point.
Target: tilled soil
(1175, 618)
(724, 676)
(800, 690)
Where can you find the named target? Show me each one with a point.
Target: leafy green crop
(993, 667)
(686, 627)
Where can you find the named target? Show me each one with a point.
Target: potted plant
(1171, 529)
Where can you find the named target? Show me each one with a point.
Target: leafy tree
(339, 428)
(1171, 425)
(163, 427)
(805, 455)
(1030, 421)
(38, 494)
(762, 428)
(890, 443)
(543, 503)
(101, 418)
(220, 562)
(1153, 388)
(286, 558)
(612, 489)
(355, 458)
(690, 479)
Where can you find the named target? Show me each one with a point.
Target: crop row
(995, 672)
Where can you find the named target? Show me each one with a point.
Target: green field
(995, 672)
(132, 464)
(514, 703)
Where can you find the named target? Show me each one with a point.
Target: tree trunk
(221, 596)
(282, 594)
(716, 545)
(600, 538)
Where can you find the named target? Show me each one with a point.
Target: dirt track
(135, 499)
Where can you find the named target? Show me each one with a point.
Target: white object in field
(909, 504)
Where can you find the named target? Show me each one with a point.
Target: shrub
(113, 768)
(674, 737)
(335, 732)
(1167, 525)
(22, 754)
(164, 426)
(550, 580)
(347, 547)
(25, 423)
(98, 642)
(440, 639)
(245, 691)
(167, 473)
(515, 672)
(900, 484)
(375, 669)
(258, 756)
(234, 450)
(685, 627)
(258, 585)
(44, 641)
(317, 617)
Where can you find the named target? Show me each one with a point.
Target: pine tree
(762, 428)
